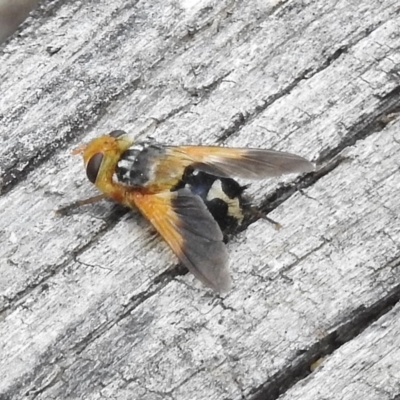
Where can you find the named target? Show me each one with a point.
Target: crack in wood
(242, 118)
(21, 166)
(134, 302)
(332, 158)
(376, 122)
(352, 326)
(41, 282)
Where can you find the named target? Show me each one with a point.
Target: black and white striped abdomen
(222, 196)
(136, 165)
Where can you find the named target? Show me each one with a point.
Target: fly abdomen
(222, 196)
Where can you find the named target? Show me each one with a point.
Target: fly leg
(69, 207)
(259, 214)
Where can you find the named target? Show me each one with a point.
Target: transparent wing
(187, 226)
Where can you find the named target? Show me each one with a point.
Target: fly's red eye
(93, 167)
(117, 134)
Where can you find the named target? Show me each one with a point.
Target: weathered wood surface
(91, 306)
(366, 367)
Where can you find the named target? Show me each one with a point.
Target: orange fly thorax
(101, 156)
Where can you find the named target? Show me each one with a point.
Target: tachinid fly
(186, 192)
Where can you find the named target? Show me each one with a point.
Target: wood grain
(93, 306)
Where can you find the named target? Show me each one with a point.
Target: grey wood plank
(366, 366)
(91, 305)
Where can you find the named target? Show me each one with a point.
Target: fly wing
(187, 226)
(239, 162)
